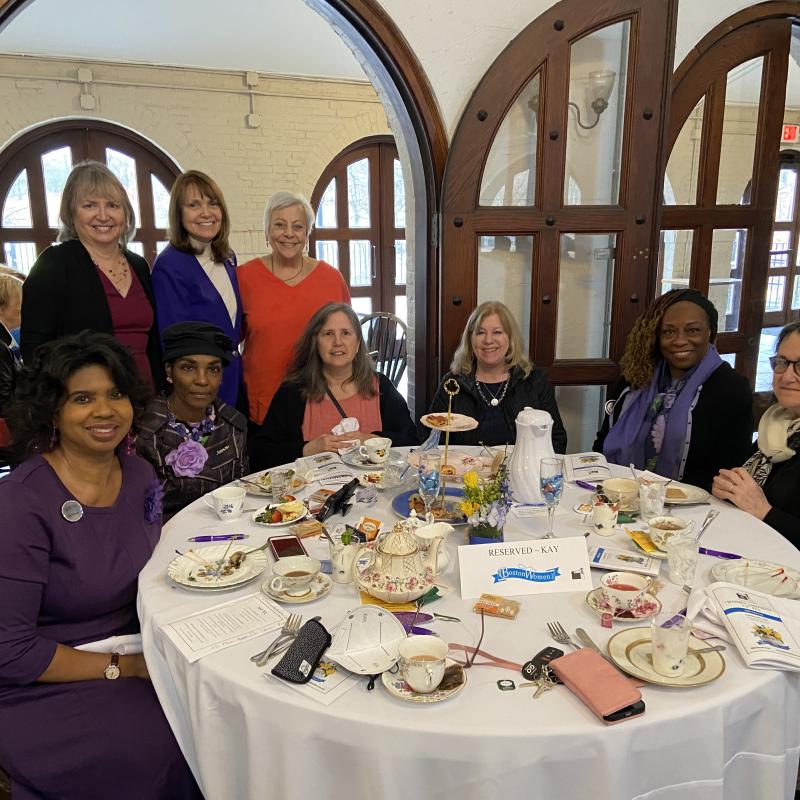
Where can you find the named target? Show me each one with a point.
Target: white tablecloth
(248, 735)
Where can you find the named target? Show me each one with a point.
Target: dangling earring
(53, 438)
(130, 439)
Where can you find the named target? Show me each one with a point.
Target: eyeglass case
(592, 679)
(301, 659)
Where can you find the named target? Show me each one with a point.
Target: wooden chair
(385, 335)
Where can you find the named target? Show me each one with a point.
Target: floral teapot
(534, 442)
(396, 570)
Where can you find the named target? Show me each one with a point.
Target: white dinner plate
(458, 422)
(694, 495)
(398, 688)
(763, 576)
(188, 572)
(260, 511)
(632, 651)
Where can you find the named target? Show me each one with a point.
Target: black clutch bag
(301, 659)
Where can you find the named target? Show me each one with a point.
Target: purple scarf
(625, 442)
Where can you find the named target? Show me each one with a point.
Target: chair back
(385, 335)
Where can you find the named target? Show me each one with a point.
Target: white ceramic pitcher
(534, 442)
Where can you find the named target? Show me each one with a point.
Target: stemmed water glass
(551, 482)
(429, 480)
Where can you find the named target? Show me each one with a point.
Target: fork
(289, 630)
(560, 635)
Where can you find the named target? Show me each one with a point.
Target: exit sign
(790, 134)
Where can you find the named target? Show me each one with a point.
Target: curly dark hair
(42, 385)
(642, 349)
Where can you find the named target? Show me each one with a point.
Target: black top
(722, 426)
(781, 488)
(533, 391)
(279, 439)
(9, 367)
(64, 294)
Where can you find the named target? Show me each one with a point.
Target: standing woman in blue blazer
(194, 277)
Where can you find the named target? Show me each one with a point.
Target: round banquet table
(246, 734)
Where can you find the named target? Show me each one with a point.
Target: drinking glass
(652, 495)
(429, 480)
(682, 553)
(551, 482)
(670, 643)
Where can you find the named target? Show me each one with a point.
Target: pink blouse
(321, 416)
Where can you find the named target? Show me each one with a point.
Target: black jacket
(63, 294)
(533, 391)
(9, 367)
(722, 426)
(781, 488)
(279, 440)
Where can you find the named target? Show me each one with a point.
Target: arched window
(550, 196)
(361, 221)
(34, 168)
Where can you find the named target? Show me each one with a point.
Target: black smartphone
(633, 710)
(286, 545)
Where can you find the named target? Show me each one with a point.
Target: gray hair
(792, 327)
(93, 178)
(281, 200)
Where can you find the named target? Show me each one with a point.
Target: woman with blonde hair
(496, 380)
(90, 280)
(681, 411)
(280, 293)
(194, 277)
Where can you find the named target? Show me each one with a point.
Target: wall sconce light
(601, 84)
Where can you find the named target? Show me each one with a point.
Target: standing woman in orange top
(280, 293)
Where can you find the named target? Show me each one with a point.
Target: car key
(546, 682)
(531, 670)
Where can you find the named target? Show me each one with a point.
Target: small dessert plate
(320, 586)
(651, 605)
(398, 688)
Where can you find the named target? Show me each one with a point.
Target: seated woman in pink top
(280, 291)
(331, 377)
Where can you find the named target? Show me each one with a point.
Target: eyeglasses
(780, 364)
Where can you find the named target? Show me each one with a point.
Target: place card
(535, 566)
(224, 625)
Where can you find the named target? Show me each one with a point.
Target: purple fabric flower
(152, 501)
(187, 459)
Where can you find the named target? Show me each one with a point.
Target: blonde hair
(464, 357)
(9, 287)
(93, 178)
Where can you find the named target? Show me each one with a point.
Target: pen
(584, 485)
(704, 551)
(226, 538)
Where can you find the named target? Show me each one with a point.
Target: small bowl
(625, 490)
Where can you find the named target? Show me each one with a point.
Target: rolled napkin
(123, 645)
(347, 425)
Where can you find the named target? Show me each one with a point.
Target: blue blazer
(184, 293)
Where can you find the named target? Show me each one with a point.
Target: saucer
(631, 650)
(320, 586)
(593, 601)
(657, 553)
(354, 459)
(398, 688)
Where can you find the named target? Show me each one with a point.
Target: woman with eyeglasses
(766, 486)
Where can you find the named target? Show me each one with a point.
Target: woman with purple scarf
(681, 410)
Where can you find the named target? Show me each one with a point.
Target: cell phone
(286, 545)
(633, 710)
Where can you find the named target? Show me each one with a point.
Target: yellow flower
(471, 479)
(468, 508)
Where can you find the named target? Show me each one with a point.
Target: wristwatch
(112, 671)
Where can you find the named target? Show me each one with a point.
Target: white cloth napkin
(702, 613)
(347, 425)
(124, 645)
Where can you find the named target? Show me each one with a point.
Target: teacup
(376, 449)
(426, 534)
(293, 575)
(623, 590)
(625, 491)
(227, 501)
(662, 529)
(422, 662)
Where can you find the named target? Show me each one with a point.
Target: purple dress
(76, 582)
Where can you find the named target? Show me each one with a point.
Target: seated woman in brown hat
(195, 441)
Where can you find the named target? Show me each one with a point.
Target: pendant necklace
(495, 401)
(291, 277)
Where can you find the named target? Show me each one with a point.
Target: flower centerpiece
(485, 505)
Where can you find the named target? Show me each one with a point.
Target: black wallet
(301, 659)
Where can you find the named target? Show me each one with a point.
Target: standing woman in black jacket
(496, 380)
(90, 280)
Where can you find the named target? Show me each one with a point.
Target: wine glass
(551, 482)
(429, 480)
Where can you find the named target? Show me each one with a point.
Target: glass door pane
(725, 284)
(17, 207)
(675, 257)
(581, 409)
(597, 88)
(680, 179)
(585, 293)
(399, 195)
(56, 166)
(358, 193)
(326, 211)
(361, 262)
(124, 167)
(160, 203)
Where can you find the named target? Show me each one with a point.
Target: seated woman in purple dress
(81, 519)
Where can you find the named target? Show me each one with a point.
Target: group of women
(100, 465)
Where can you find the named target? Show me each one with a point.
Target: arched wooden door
(551, 192)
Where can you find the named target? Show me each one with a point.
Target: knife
(587, 640)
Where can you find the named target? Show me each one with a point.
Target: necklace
(196, 431)
(495, 401)
(291, 277)
(117, 271)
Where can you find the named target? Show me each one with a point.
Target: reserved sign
(527, 567)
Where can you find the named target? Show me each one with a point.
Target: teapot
(396, 570)
(534, 442)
